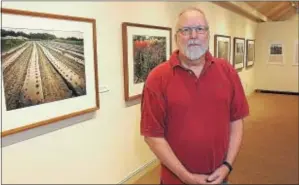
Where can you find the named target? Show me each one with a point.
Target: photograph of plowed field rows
(41, 66)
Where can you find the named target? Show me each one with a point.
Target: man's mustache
(194, 42)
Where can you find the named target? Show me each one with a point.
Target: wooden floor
(269, 153)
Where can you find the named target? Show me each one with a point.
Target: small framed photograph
(222, 47)
(239, 51)
(276, 53)
(250, 52)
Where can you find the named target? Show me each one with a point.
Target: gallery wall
(277, 77)
(106, 147)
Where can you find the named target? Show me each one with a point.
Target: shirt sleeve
(152, 113)
(239, 104)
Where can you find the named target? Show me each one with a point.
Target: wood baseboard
(276, 92)
(137, 174)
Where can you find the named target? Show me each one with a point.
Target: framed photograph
(144, 47)
(49, 69)
(222, 47)
(275, 53)
(239, 49)
(296, 48)
(250, 52)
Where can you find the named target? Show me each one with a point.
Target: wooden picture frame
(296, 52)
(238, 53)
(250, 52)
(53, 59)
(222, 47)
(144, 47)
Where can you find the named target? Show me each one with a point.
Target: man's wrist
(185, 176)
(228, 165)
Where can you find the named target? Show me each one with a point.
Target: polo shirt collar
(174, 58)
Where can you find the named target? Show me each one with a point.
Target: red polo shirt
(193, 114)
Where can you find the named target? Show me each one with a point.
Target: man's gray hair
(188, 10)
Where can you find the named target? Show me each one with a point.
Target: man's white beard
(195, 52)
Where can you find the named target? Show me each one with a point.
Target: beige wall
(294, 17)
(277, 77)
(108, 147)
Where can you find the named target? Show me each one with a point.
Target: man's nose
(193, 33)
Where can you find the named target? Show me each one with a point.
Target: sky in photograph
(57, 33)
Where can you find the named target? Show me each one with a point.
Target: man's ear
(176, 38)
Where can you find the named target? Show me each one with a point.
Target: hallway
(269, 154)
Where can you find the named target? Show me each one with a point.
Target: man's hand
(201, 178)
(218, 175)
(196, 179)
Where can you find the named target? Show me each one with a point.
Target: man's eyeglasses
(198, 29)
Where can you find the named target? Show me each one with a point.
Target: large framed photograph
(49, 68)
(239, 50)
(276, 53)
(222, 47)
(296, 48)
(144, 47)
(250, 52)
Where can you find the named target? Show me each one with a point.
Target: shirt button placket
(197, 83)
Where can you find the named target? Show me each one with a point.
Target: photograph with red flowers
(144, 48)
(149, 51)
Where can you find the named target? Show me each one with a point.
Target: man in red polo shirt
(193, 107)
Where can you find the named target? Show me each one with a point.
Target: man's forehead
(192, 17)
(191, 13)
